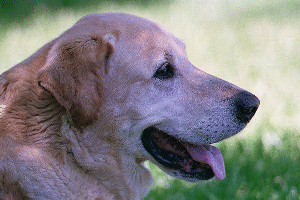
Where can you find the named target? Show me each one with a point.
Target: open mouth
(194, 162)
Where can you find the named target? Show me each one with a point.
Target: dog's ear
(73, 74)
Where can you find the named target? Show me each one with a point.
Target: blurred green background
(253, 44)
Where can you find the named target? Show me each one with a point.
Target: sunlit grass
(243, 42)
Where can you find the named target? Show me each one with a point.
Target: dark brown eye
(164, 72)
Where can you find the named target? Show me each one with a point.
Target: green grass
(253, 44)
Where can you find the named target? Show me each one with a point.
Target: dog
(82, 114)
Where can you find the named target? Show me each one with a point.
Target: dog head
(129, 79)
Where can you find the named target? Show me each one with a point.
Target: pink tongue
(210, 155)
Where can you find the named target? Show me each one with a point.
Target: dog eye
(164, 72)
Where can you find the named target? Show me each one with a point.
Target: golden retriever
(81, 115)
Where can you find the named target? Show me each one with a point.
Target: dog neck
(78, 164)
(106, 161)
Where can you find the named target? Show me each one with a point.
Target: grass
(253, 44)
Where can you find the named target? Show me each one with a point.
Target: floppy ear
(72, 74)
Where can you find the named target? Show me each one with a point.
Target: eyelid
(164, 64)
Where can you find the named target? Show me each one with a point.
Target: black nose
(246, 105)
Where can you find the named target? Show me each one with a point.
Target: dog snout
(246, 104)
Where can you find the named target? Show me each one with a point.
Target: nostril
(250, 111)
(246, 114)
(246, 105)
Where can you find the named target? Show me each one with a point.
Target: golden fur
(72, 114)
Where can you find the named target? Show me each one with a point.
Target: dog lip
(200, 162)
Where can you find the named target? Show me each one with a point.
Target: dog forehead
(130, 27)
(120, 20)
(132, 36)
